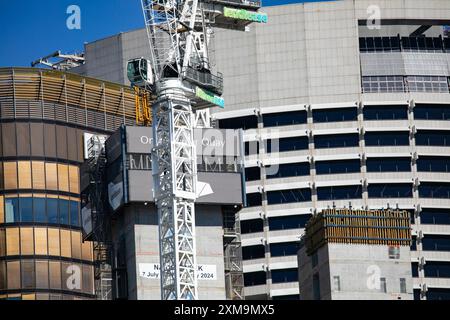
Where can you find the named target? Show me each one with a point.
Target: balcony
(388, 151)
(386, 125)
(387, 177)
(434, 176)
(433, 151)
(323, 128)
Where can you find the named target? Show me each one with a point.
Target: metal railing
(205, 79)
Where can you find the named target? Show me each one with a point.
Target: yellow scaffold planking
(377, 227)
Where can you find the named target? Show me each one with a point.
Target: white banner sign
(204, 271)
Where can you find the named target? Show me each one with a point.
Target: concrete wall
(356, 265)
(138, 224)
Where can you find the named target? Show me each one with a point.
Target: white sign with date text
(204, 271)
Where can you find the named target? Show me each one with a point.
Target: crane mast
(178, 73)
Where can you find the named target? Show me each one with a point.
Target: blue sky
(30, 29)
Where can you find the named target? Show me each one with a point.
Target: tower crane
(179, 75)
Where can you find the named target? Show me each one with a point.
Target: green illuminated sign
(242, 14)
(210, 97)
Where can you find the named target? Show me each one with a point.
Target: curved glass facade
(42, 252)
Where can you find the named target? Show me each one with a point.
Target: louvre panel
(7, 109)
(49, 111)
(100, 120)
(76, 115)
(35, 109)
(91, 118)
(60, 112)
(130, 121)
(22, 109)
(44, 94)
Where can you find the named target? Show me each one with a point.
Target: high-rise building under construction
(342, 103)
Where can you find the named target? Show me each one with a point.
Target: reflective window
(434, 190)
(248, 122)
(415, 269)
(38, 169)
(287, 144)
(253, 199)
(251, 226)
(28, 276)
(55, 274)
(13, 241)
(388, 165)
(339, 193)
(433, 138)
(88, 279)
(336, 167)
(284, 118)
(336, 141)
(284, 275)
(12, 210)
(435, 269)
(392, 190)
(74, 214)
(27, 241)
(435, 216)
(379, 44)
(26, 209)
(432, 112)
(383, 84)
(335, 115)
(24, 170)
(13, 268)
(251, 147)
(42, 281)
(87, 251)
(433, 164)
(394, 112)
(252, 174)
(254, 278)
(288, 196)
(40, 240)
(51, 176)
(284, 249)
(291, 170)
(2, 243)
(436, 243)
(3, 285)
(387, 138)
(2, 209)
(76, 244)
(433, 84)
(66, 246)
(438, 293)
(74, 179)
(10, 175)
(53, 242)
(253, 252)
(63, 177)
(288, 222)
(52, 210)
(39, 209)
(64, 211)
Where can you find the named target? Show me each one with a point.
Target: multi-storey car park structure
(361, 115)
(43, 118)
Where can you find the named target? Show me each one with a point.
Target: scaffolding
(101, 226)
(234, 276)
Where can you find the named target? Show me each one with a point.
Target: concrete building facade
(354, 94)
